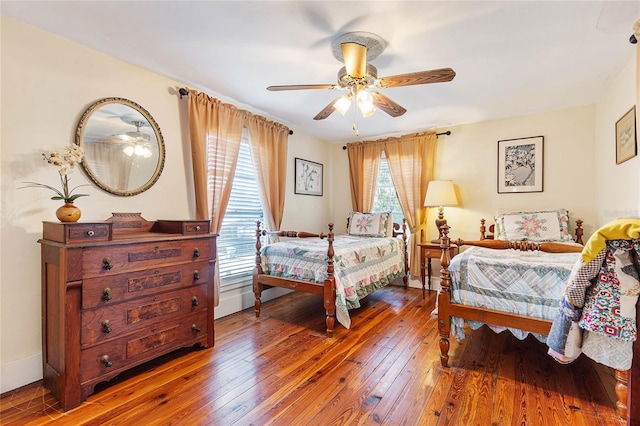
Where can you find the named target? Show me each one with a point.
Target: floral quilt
(361, 265)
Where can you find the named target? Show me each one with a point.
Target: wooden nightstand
(431, 251)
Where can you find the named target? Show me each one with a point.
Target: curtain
(216, 132)
(110, 164)
(411, 160)
(364, 160)
(268, 142)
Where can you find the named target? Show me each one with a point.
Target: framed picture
(626, 142)
(520, 163)
(308, 177)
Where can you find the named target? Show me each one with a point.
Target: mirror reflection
(124, 149)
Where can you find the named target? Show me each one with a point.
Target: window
(386, 198)
(237, 239)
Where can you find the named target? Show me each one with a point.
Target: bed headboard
(490, 235)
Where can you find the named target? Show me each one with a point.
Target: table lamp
(440, 193)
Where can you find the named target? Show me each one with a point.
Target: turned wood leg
(443, 329)
(330, 305)
(622, 381)
(257, 291)
(331, 322)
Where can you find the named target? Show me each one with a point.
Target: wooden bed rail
(548, 247)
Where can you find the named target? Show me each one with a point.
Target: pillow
(370, 224)
(537, 226)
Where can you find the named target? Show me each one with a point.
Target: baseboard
(21, 372)
(237, 300)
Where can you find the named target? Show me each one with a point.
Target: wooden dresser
(118, 293)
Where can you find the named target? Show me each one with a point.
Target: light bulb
(343, 103)
(129, 150)
(365, 103)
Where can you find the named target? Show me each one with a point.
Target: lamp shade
(440, 193)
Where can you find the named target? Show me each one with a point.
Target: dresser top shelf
(122, 226)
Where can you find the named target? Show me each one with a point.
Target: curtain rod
(447, 133)
(185, 92)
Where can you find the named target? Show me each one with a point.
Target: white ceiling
(511, 58)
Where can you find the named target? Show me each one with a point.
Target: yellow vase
(68, 213)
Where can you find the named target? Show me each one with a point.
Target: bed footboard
(326, 289)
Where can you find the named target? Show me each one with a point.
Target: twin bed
(510, 284)
(344, 269)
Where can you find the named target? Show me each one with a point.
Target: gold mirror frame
(123, 145)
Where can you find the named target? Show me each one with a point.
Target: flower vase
(68, 213)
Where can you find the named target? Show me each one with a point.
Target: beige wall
(617, 186)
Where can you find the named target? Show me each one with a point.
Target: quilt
(362, 265)
(523, 282)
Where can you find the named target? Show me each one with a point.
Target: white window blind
(237, 238)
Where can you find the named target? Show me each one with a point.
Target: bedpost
(405, 279)
(257, 286)
(330, 287)
(444, 319)
(483, 229)
(579, 232)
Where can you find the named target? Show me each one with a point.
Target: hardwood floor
(281, 369)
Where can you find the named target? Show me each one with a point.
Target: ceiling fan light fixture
(343, 103)
(365, 103)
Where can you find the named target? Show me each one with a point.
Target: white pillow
(370, 224)
(537, 226)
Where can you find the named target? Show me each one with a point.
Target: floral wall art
(520, 163)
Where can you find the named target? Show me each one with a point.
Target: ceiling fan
(359, 78)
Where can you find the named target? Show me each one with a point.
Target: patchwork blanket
(361, 265)
(598, 308)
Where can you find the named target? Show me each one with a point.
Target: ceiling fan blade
(422, 77)
(303, 87)
(327, 110)
(355, 59)
(387, 105)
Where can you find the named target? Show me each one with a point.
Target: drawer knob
(105, 361)
(196, 275)
(106, 294)
(106, 328)
(196, 328)
(196, 252)
(194, 301)
(106, 263)
(90, 233)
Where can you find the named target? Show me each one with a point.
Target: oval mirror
(124, 149)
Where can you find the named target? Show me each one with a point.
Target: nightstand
(431, 251)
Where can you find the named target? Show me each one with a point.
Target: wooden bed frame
(263, 281)
(624, 386)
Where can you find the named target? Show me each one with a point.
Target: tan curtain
(268, 142)
(364, 160)
(215, 132)
(410, 160)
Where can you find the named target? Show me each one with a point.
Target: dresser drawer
(77, 232)
(116, 259)
(117, 355)
(108, 290)
(111, 322)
